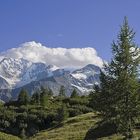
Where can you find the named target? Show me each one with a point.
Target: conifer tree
(43, 95)
(23, 97)
(62, 91)
(50, 92)
(62, 113)
(102, 99)
(123, 69)
(74, 94)
(36, 98)
(118, 96)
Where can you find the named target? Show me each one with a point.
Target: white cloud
(61, 57)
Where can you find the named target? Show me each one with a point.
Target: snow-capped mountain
(18, 73)
(32, 65)
(87, 73)
(11, 70)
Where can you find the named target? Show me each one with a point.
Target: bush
(74, 112)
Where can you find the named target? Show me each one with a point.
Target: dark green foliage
(62, 91)
(74, 94)
(50, 92)
(62, 113)
(74, 112)
(77, 106)
(35, 99)
(23, 98)
(24, 120)
(7, 117)
(43, 95)
(102, 98)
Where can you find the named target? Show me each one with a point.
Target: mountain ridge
(18, 73)
(32, 65)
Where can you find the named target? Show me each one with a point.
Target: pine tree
(36, 98)
(62, 113)
(74, 94)
(23, 97)
(118, 97)
(43, 95)
(62, 91)
(123, 69)
(102, 99)
(50, 92)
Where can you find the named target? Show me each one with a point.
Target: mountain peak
(92, 66)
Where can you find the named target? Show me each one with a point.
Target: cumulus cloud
(61, 57)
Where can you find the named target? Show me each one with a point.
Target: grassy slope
(74, 128)
(4, 136)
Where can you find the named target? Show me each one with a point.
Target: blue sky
(66, 23)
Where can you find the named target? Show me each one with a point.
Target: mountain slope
(74, 128)
(66, 78)
(18, 73)
(12, 69)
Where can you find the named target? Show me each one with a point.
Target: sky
(66, 23)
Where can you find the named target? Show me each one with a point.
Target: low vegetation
(4, 136)
(74, 128)
(27, 116)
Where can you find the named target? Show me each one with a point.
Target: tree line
(28, 115)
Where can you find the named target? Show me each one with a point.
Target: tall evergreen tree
(36, 98)
(102, 99)
(50, 92)
(43, 96)
(118, 97)
(74, 94)
(62, 91)
(123, 69)
(23, 97)
(62, 113)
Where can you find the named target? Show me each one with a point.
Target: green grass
(4, 136)
(74, 128)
